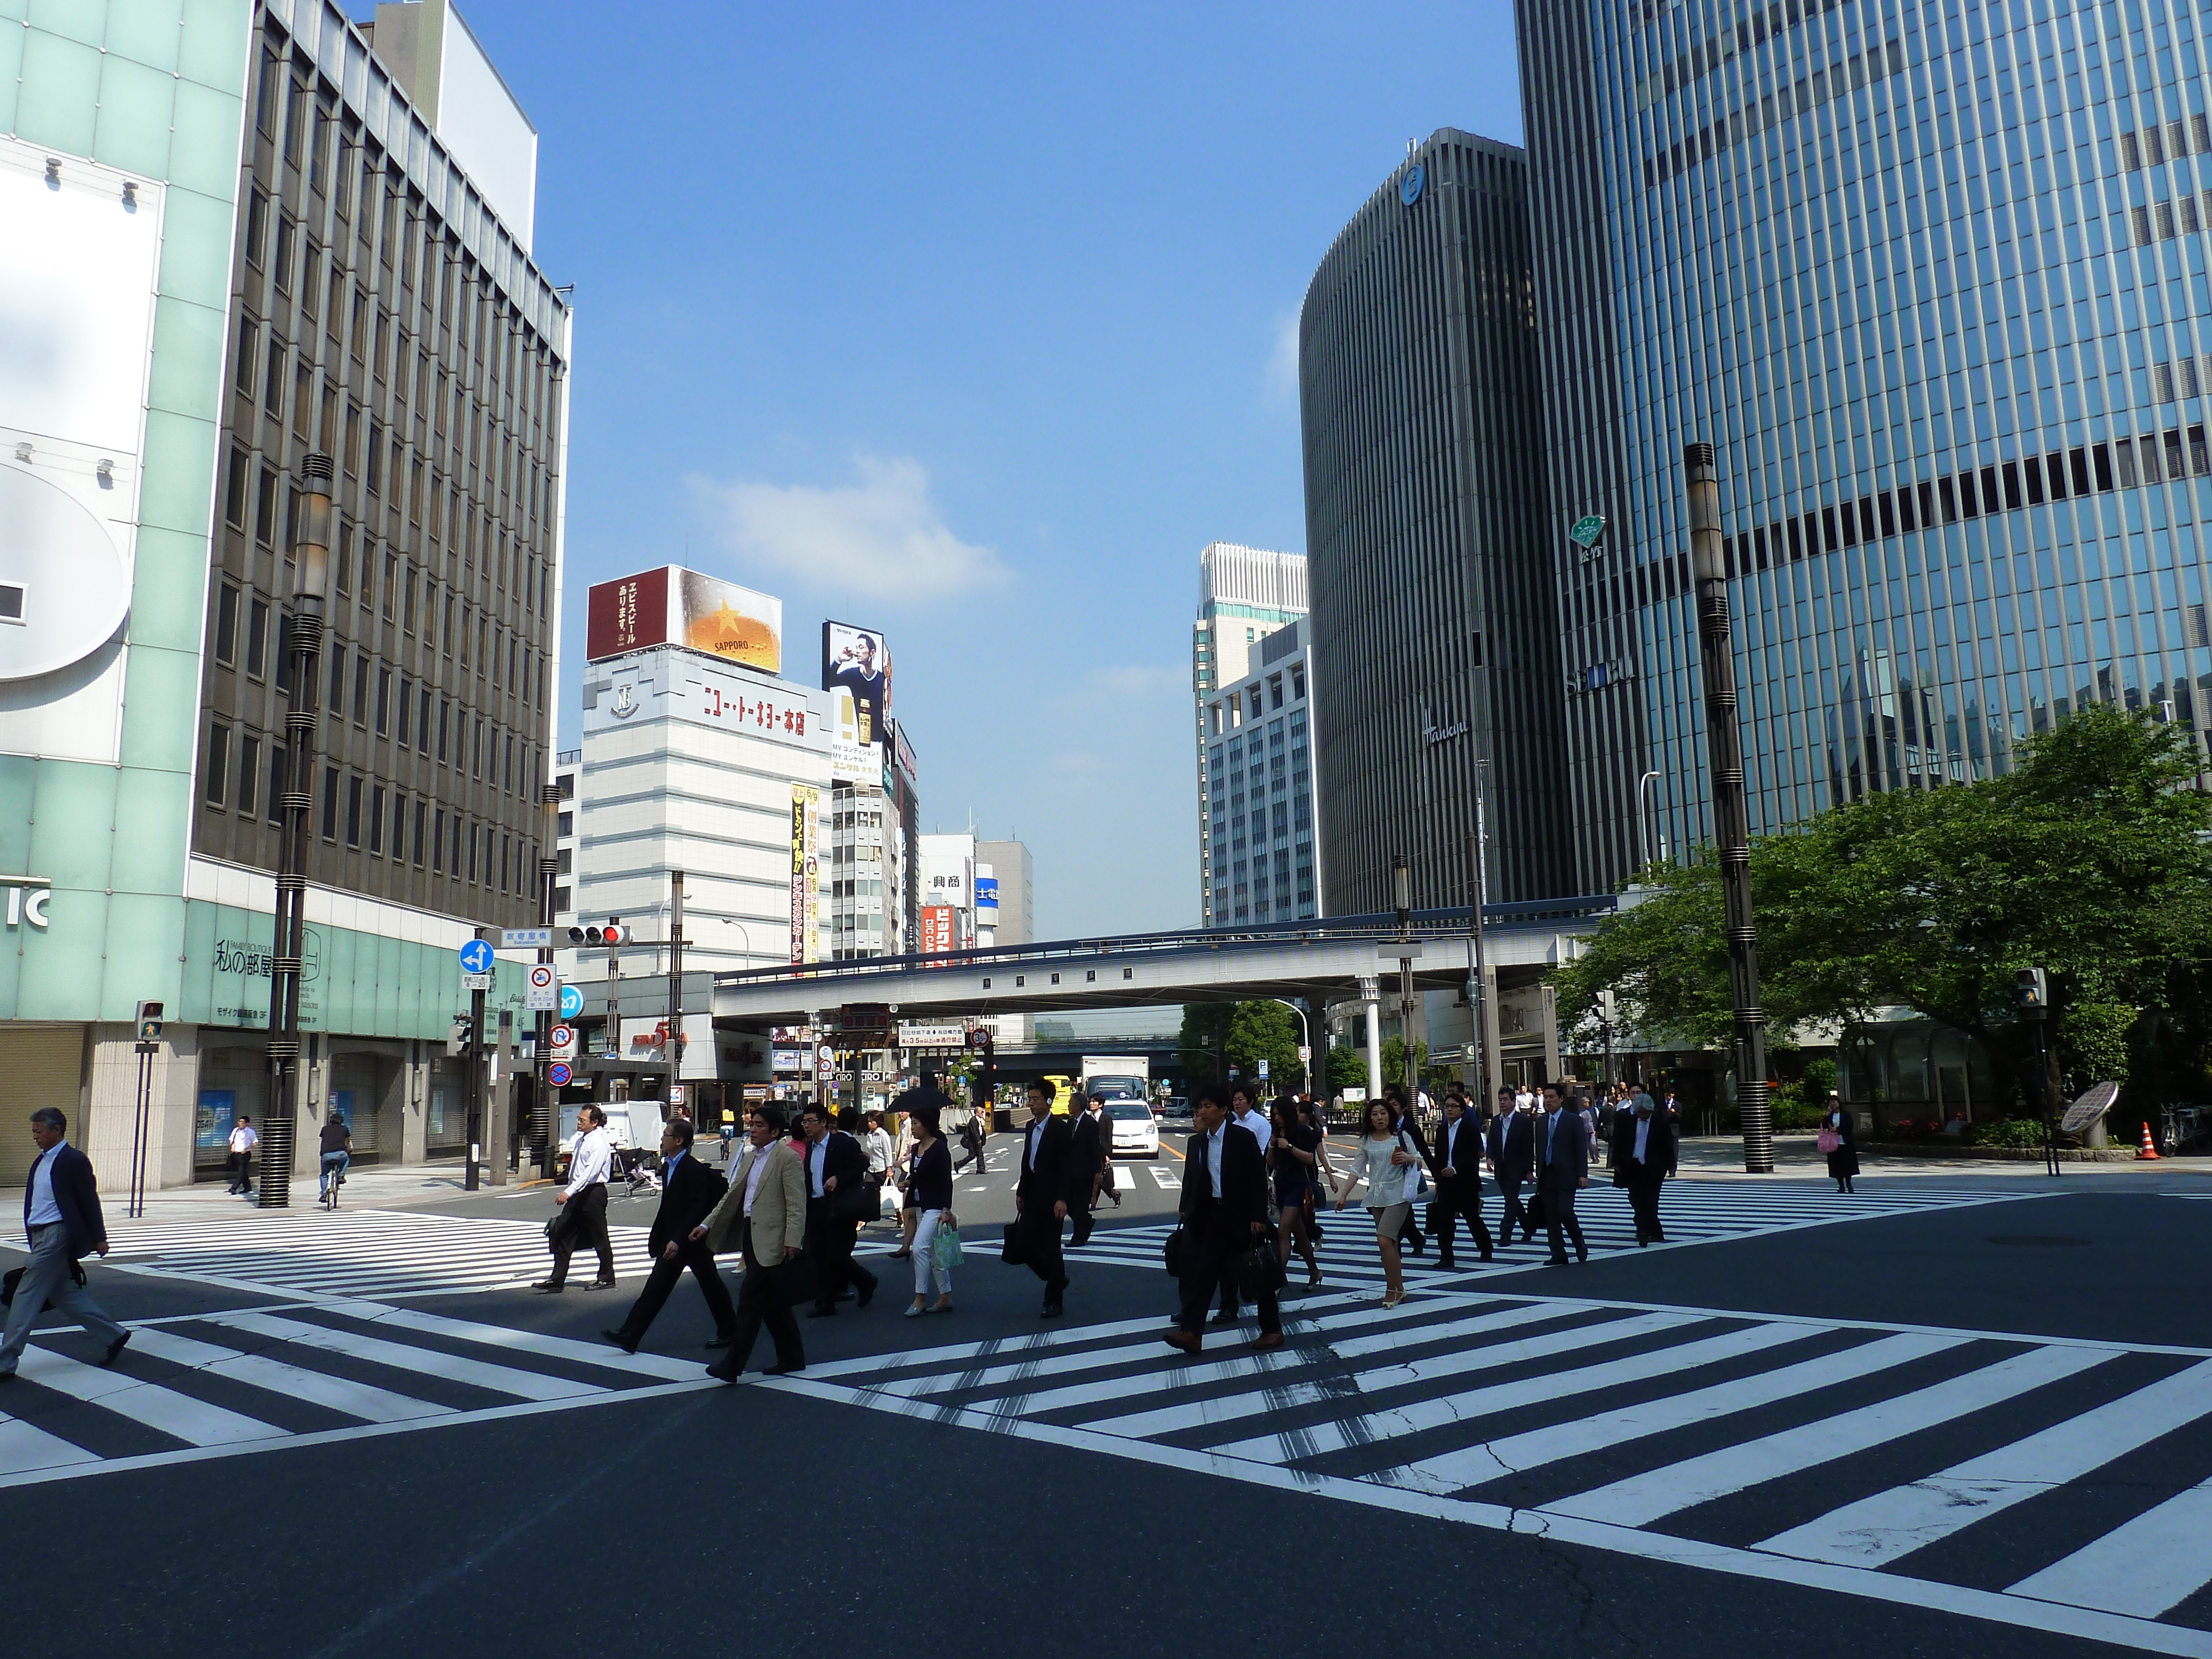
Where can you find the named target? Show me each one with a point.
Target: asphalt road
(898, 1500)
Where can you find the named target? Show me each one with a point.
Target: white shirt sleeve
(591, 1162)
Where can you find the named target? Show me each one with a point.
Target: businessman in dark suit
(1225, 1214)
(1563, 1137)
(62, 1224)
(689, 1191)
(1042, 1194)
(1512, 1147)
(836, 1203)
(1085, 1160)
(1457, 1162)
(1642, 1159)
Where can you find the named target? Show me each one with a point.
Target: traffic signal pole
(544, 1120)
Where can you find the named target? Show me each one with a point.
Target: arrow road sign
(476, 957)
(558, 1073)
(572, 1001)
(562, 1036)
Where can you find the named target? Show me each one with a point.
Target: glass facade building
(1434, 626)
(1931, 279)
(1256, 776)
(1244, 595)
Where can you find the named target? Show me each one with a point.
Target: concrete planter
(1995, 1154)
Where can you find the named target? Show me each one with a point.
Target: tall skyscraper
(1427, 537)
(1256, 777)
(1244, 593)
(240, 234)
(1922, 276)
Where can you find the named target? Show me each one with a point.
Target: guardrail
(1449, 923)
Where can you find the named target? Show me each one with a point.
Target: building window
(398, 827)
(217, 769)
(265, 513)
(353, 810)
(225, 625)
(257, 639)
(438, 843)
(249, 772)
(338, 680)
(330, 803)
(376, 821)
(360, 689)
(383, 703)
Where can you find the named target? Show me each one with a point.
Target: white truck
(1125, 1081)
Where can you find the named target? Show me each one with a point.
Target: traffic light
(458, 1035)
(2034, 992)
(149, 1022)
(612, 934)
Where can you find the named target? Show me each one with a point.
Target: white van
(633, 1125)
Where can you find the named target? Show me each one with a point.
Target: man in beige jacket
(765, 1213)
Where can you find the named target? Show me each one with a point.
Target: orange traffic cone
(2146, 1151)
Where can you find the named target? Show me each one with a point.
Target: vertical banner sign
(805, 864)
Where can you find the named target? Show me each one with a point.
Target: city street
(1811, 1424)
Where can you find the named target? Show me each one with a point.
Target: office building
(242, 235)
(947, 874)
(1428, 540)
(1011, 915)
(1257, 777)
(1244, 593)
(1920, 275)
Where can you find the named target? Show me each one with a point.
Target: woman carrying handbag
(1838, 1141)
(930, 1194)
(1392, 1173)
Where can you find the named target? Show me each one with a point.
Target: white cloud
(881, 536)
(1280, 378)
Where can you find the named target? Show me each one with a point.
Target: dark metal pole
(675, 989)
(1731, 814)
(543, 1120)
(474, 1177)
(1401, 878)
(311, 580)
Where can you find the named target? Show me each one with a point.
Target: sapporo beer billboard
(805, 861)
(671, 605)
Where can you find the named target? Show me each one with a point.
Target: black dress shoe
(600, 1284)
(114, 1348)
(1557, 1261)
(867, 1294)
(551, 1287)
(719, 1373)
(1447, 1262)
(620, 1341)
(1223, 1319)
(784, 1370)
(1052, 1310)
(719, 1342)
(1486, 1256)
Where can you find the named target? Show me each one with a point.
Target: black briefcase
(1172, 1253)
(1013, 1254)
(14, 1277)
(1258, 1272)
(796, 1280)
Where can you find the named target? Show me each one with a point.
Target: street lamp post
(1731, 812)
(1305, 1036)
(543, 1120)
(1642, 839)
(311, 589)
(1401, 878)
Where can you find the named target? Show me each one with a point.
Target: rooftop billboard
(671, 605)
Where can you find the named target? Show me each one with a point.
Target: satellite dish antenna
(2092, 1106)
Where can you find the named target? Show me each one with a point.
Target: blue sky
(975, 325)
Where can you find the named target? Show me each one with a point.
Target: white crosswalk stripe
(1693, 1212)
(360, 1253)
(249, 1381)
(1648, 1430)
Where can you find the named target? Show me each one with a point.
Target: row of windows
(1708, 55)
(241, 773)
(2154, 144)
(1785, 104)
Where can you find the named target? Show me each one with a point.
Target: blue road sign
(572, 1001)
(558, 1074)
(476, 957)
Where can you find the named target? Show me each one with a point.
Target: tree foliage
(1347, 1069)
(1220, 1036)
(2089, 859)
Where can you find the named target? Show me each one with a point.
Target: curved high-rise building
(1434, 635)
(1932, 280)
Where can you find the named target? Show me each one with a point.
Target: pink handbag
(1829, 1141)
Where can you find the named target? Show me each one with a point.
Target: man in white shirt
(243, 1140)
(584, 1204)
(1244, 1113)
(62, 1223)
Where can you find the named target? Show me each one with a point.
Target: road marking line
(2154, 1562)
(339, 1394)
(1643, 1498)
(1166, 1180)
(1297, 1444)
(192, 1421)
(1472, 1466)
(1882, 1528)
(601, 1354)
(23, 1448)
(430, 1362)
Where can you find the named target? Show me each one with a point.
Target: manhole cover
(2036, 1238)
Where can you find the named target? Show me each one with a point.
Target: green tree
(2088, 859)
(1347, 1069)
(1269, 1032)
(1201, 1044)
(1394, 1060)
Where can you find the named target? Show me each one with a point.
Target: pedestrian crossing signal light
(149, 1022)
(2034, 991)
(457, 1039)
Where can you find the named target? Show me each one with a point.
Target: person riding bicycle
(338, 1152)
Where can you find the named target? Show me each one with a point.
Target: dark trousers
(1213, 1252)
(584, 1221)
(830, 1242)
(1081, 1218)
(660, 1283)
(1513, 1213)
(1461, 1197)
(760, 1302)
(241, 1172)
(1040, 1247)
(1559, 1198)
(1643, 1201)
(974, 1145)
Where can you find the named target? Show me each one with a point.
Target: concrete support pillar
(499, 1103)
(1550, 1006)
(1370, 996)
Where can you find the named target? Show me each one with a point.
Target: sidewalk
(1797, 1158)
(370, 1188)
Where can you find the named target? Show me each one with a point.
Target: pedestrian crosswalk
(2055, 1485)
(256, 1380)
(357, 1253)
(1693, 1212)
